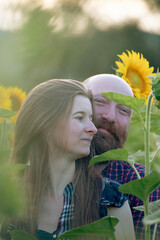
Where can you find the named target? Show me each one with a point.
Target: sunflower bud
(156, 86)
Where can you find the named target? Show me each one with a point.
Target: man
(112, 121)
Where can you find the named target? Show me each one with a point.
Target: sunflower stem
(142, 122)
(147, 158)
(147, 135)
(154, 232)
(135, 169)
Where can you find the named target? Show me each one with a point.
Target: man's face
(110, 118)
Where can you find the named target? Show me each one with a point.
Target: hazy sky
(104, 13)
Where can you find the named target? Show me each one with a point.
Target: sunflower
(17, 97)
(134, 69)
(5, 102)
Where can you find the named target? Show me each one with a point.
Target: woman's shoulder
(111, 196)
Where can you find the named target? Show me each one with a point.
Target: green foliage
(156, 86)
(153, 206)
(152, 218)
(116, 154)
(5, 113)
(21, 235)
(102, 227)
(11, 203)
(128, 101)
(142, 188)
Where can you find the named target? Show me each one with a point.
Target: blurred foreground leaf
(102, 227)
(21, 235)
(116, 154)
(153, 206)
(128, 101)
(4, 155)
(142, 188)
(152, 218)
(11, 198)
(5, 113)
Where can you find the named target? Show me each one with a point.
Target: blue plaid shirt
(123, 173)
(111, 197)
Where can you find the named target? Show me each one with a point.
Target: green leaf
(5, 113)
(153, 206)
(155, 130)
(132, 157)
(154, 118)
(142, 188)
(4, 155)
(19, 166)
(152, 218)
(128, 101)
(116, 154)
(11, 202)
(102, 227)
(21, 235)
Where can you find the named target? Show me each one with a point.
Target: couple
(53, 133)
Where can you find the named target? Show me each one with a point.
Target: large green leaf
(155, 130)
(116, 154)
(153, 206)
(11, 195)
(102, 227)
(132, 157)
(142, 188)
(152, 218)
(21, 235)
(128, 101)
(154, 118)
(4, 155)
(5, 113)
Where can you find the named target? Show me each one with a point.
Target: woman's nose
(91, 128)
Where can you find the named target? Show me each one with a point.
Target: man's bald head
(108, 83)
(111, 118)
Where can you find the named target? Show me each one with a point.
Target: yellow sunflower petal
(135, 71)
(5, 102)
(17, 97)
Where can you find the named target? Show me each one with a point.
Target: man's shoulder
(122, 171)
(126, 165)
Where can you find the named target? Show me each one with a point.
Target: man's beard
(104, 142)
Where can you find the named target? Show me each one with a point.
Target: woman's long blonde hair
(42, 109)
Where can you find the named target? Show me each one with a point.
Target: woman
(53, 133)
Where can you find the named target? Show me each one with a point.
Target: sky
(105, 13)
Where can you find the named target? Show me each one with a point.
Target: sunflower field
(145, 83)
(11, 99)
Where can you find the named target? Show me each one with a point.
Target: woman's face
(74, 137)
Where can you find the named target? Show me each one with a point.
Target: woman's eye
(80, 118)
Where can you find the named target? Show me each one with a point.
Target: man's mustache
(105, 124)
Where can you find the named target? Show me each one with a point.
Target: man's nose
(109, 113)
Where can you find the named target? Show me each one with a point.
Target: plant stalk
(147, 158)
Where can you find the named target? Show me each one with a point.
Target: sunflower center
(16, 104)
(135, 79)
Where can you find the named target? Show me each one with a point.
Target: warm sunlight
(105, 13)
